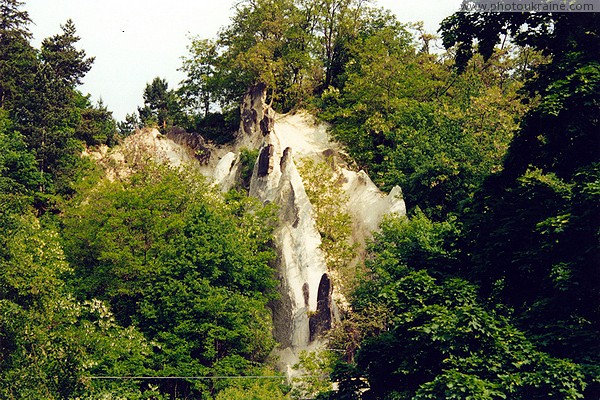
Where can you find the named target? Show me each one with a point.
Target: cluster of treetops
(488, 290)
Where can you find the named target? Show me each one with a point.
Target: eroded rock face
(257, 118)
(306, 307)
(300, 261)
(194, 142)
(367, 204)
(252, 109)
(265, 160)
(226, 173)
(137, 149)
(320, 322)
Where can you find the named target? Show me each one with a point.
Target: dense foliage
(488, 290)
(153, 274)
(434, 339)
(188, 269)
(405, 115)
(544, 205)
(524, 229)
(38, 95)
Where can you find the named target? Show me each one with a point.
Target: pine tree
(160, 105)
(48, 115)
(68, 64)
(17, 57)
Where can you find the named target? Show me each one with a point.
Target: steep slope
(306, 308)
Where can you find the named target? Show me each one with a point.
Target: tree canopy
(488, 289)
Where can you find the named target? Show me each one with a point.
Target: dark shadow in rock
(320, 321)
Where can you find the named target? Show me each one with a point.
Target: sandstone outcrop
(306, 308)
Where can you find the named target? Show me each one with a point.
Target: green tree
(314, 370)
(543, 204)
(129, 125)
(17, 57)
(161, 105)
(18, 169)
(189, 268)
(206, 88)
(13, 20)
(68, 64)
(48, 114)
(116, 249)
(339, 23)
(435, 339)
(256, 389)
(409, 121)
(198, 90)
(49, 342)
(294, 47)
(253, 43)
(96, 124)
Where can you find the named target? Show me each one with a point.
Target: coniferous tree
(161, 106)
(59, 53)
(17, 56)
(96, 124)
(48, 115)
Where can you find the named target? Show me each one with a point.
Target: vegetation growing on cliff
(322, 184)
(489, 289)
(523, 228)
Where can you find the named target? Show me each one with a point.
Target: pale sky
(136, 40)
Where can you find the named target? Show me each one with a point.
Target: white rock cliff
(305, 308)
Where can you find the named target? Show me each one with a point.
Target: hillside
(328, 206)
(306, 308)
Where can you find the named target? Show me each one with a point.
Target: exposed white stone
(275, 179)
(302, 133)
(301, 261)
(137, 148)
(367, 204)
(224, 167)
(165, 150)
